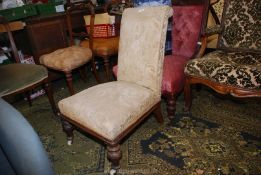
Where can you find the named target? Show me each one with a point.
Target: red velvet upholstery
(187, 22)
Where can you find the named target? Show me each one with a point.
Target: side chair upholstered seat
(72, 57)
(235, 67)
(111, 110)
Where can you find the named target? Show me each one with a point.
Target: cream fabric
(109, 108)
(67, 59)
(142, 42)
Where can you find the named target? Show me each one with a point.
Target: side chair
(73, 57)
(235, 67)
(22, 78)
(110, 111)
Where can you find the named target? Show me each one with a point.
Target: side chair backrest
(11, 41)
(241, 26)
(80, 32)
(189, 22)
(141, 48)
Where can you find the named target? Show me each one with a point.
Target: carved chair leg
(187, 96)
(171, 106)
(68, 129)
(49, 91)
(107, 67)
(158, 114)
(114, 156)
(68, 76)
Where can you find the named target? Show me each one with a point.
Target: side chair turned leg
(107, 67)
(49, 91)
(68, 129)
(187, 96)
(158, 114)
(114, 156)
(68, 76)
(171, 106)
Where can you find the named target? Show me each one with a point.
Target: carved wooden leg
(158, 114)
(187, 96)
(114, 155)
(49, 91)
(68, 129)
(107, 67)
(68, 76)
(95, 72)
(171, 106)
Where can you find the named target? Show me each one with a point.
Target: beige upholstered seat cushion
(103, 46)
(67, 59)
(109, 108)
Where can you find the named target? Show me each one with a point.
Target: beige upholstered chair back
(142, 42)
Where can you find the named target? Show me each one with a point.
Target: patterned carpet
(221, 137)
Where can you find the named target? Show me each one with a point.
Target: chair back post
(80, 6)
(4, 22)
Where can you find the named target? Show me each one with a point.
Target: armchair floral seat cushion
(237, 62)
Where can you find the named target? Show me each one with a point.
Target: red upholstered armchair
(187, 29)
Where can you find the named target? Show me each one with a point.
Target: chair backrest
(11, 41)
(141, 48)
(189, 22)
(240, 26)
(85, 7)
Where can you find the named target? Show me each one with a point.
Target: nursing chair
(73, 57)
(235, 68)
(112, 110)
(21, 78)
(107, 46)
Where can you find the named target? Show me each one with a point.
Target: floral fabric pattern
(239, 69)
(241, 25)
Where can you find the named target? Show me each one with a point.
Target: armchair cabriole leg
(187, 96)
(68, 76)
(171, 106)
(158, 114)
(68, 129)
(114, 156)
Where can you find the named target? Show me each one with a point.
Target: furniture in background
(110, 111)
(235, 68)
(188, 26)
(189, 22)
(21, 151)
(107, 46)
(22, 78)
(73, 57)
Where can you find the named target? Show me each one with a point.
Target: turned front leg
(114, 155)
(68, 129)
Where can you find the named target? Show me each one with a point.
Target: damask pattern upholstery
(237, 63)
(240, 69)
(241, 26)
(110, 108)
